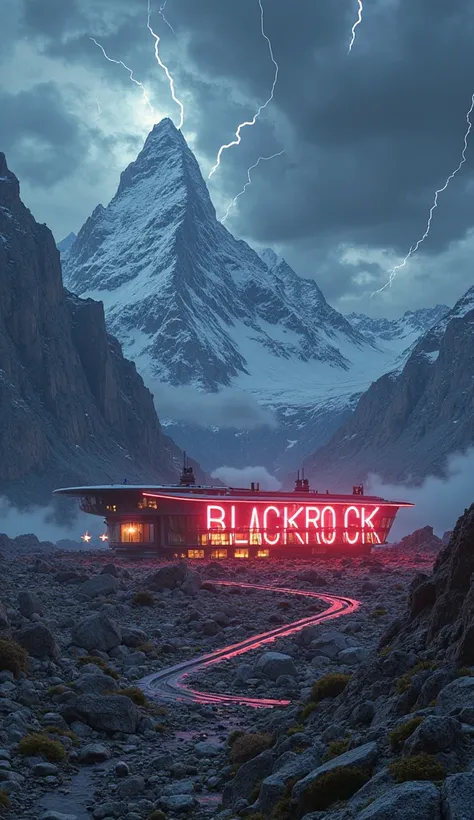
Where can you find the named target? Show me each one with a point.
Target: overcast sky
(368, 136)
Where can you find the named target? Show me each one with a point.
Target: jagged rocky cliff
(410, 420)
(72, 409)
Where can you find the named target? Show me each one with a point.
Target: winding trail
(169, 684)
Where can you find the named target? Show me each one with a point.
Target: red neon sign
(277, 525)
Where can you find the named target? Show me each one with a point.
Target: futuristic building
(217, 522)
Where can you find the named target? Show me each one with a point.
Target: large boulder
(29, 604)
(192, 584)
(458, 796)
(168, 577)
(415, 800)
(4, 622)
(274, 786)
(104, 713)
(94, 683)
(247, 777)
(38, 641)
(97, 632)
(99, 585)
(455, 696)
(274, 664)
(435, 734)
(133, 637)
(360, 757)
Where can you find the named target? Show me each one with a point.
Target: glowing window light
(241, 553)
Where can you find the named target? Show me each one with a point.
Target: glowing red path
(168, 684)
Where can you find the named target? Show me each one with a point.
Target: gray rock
(455, 696)
(95, 683)
(99, 585)
(353, 655)
(375, 787)
(4, 622)
(435, 734)
(109, 569)
(93, 753)
(97, 632)
(133, 637)
(273, 787)
(131, 787)
(168, 577)
(363, 713)
(457, 796)
(44, 770)
(274, 664)
(105, 713)
(29, 604)
(247, 776)
(178, 803)
(361, 756)
(243, 672)
(122, 769)
(415, 800)
(56, 815)
(38, 641)
(192, 584)
(210, 628)
(205, 749)
(328, 642)
(113, 808)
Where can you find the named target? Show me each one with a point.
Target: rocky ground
(71, 747)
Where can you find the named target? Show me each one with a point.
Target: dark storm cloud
(41, 139)
(368, 136)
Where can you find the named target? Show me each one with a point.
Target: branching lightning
(357, 23)
(393, 272)
(164, 67)
(145, 96)
(162, 14)
(251, 122)
(249, 182)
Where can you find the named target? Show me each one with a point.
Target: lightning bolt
(162, 14)
(393, 272)
(165, 68)
(357, 23)
(145, 96)
(99, 110)
(251, 122)
(249, 182)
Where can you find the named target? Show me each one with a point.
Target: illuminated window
(263, 553)
(219, 537)
(150, 503)
(203, 539)
(218, 553)
(255, 538)
(111, 507)
(195, 553)
(136, 533)
(241, 553)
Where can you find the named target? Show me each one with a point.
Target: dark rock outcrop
(72, 409)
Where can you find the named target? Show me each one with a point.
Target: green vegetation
(143, 599)
(38, 745)
(282, 810)
(379, 612)
(295, 730)
(338, 784)
(53, 691)
(418, 767)
(160, 727)
(336, 748)
(308, 710)
(253, 796)
(4, 800)
(249, 745)
(329, 686)
(232, 737)
(56, 730)
(13, 657)
(134, 693)
(147, 647)
(100, 663)
(157, 815)
(403, 684)
(398, 736)
(464, 672)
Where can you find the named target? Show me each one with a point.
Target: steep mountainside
(194, 306)
(410, 420)
(72, 409)
(407, 328)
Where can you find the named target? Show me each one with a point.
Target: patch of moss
(13, 658)
(160, 727)
(403, 683)
(100, 663)
(378, 612)
(56, 690)
(4, 800)
(134, 693)
(157, 815)
(56, 730)
(308, 710)
(464, 672)
(418, 767)
(338, 784)
(295, 730)
(329, 686)
(232, 736)
(336, 748)
(250, 745)
(146, 647)
(282, 810)
(143, 599)
(253, 796)
(38, 745)
(398, 735)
